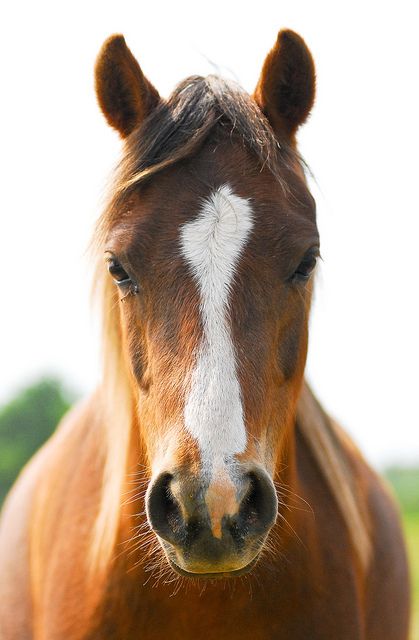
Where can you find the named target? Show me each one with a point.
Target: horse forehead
(176, 195)
(156, 213)
(211, 245)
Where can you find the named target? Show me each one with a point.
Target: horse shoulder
(387, 591)
(386, 586)
(15, 590)
(28, 527)
(16, 606)
(386, 582)
(372, 519)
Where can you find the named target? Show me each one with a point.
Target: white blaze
(212, 245)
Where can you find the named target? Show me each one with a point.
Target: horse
(202, 490)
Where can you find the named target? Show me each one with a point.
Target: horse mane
(174, 131)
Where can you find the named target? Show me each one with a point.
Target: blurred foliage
(405, 482)
(26, 422)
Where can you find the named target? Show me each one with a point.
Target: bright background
(361, 143)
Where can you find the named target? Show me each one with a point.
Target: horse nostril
(163, 510)
(259, 506)
(184, 520)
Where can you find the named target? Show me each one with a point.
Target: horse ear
(124, 94)
(286, 87)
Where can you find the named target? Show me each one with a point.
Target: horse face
(212, 258)
(216, 337)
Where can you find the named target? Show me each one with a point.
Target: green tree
(25, 423)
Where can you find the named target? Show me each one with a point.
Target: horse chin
(213, 575)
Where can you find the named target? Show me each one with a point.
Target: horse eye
(306, 266)
(117, 272)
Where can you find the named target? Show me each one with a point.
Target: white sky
(361, 143)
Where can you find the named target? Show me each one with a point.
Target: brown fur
(124, 94)
(286, 88)
(86, 564)
(310, 587)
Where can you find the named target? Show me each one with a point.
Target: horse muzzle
(212, 528)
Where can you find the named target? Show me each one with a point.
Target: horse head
(210, 241)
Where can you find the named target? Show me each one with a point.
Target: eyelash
(115, 269)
